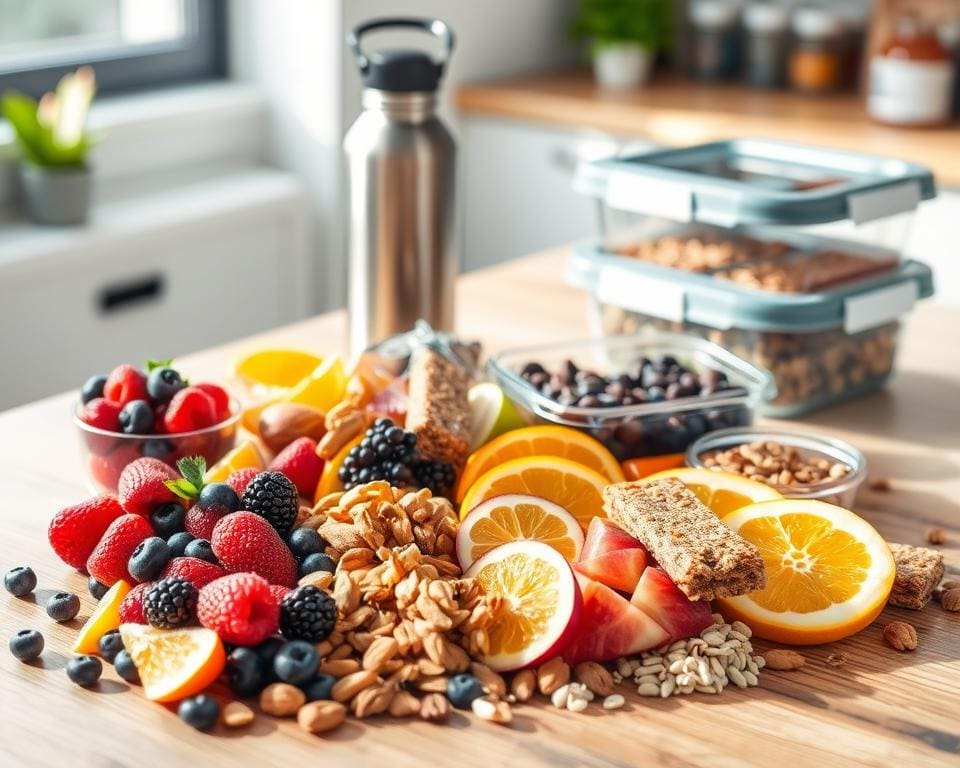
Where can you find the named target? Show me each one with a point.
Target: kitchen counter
(880, 707)
(677, 112)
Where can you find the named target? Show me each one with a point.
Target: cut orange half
(244, 456)
(576, 488)
(173, 663)
(829, 573)
(503, 519)
(105, 616)
(544, 440)
(723, 492)
(541, 603)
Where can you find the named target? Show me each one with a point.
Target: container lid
(680, 297)
(766, 17)
(401, 70)
(756, 181)
(812, 22)
(714, 13)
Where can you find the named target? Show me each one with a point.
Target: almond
(321, 716)
(950, 599)
(348, 687)
(236, 714)
(595, 677)
(281, 699)
(783, 659)
(434, 707)
(282, 423)
(900, 635)
(552, 675)
(524, 684)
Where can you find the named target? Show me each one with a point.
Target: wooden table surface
(881, 708)
(676, 112)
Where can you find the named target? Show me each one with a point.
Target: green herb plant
(648, 23)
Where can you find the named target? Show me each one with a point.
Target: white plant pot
(56, 196)
(622, 66)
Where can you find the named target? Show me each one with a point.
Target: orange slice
(644, 466)
(544, 440)
(322, 389)
(244, 456)
(576, 488)
(829, 573)
(330, 477)
(541, 603)
(105, 616)
(276, 367)
(173, 663)
(723, 492)
(503, 519)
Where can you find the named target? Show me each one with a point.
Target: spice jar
(765, 44)
(815, 58)
(715, 50)
(911, 78)
(852, 42)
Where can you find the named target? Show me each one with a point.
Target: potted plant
(624, 36)
(54, 175)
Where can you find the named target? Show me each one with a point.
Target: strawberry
(221, 400)
(125, 383)
(102, 414)
(279, 592)
(108, 561)
(131, 607)
(240, 608)
(198, 572)
(240, 479)
(143, 485)
(244, 541)
(200, 522)
(299, 462)
(75, 531)
(191, 408)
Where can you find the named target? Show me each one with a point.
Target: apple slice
(619, 570)
(605, 536)
(658, 597)
(611, 627)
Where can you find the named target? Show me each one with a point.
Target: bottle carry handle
(435, 27)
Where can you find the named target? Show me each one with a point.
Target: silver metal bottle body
(403, 264)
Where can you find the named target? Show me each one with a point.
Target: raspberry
(102, 414)
(307, 613)
(240, 608)
(274, 497)
(75, 531)
(279, 591)
(108, 561)
(300, 463)
(125, 383)
(198, 572)
(170, 603)
(244, 541)
(200, 522)
(190, 409)
(221, 400)
(131, 607)
(143, 485)
(240, 479)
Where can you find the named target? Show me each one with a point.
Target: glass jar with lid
(816, 57)
(766, 26)
(715, 39)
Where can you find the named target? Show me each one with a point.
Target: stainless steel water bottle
(401, 172)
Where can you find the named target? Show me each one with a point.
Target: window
(131, 43)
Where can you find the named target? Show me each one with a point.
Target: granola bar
(703, 557)
(438, 410)
(919, 570)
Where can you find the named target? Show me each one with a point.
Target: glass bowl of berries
(156, 412)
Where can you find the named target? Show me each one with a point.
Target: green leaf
(152, 364)
(21, 112)
(647, 22)
(183, 488)
(193, 468)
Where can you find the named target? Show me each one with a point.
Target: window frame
(201, 55)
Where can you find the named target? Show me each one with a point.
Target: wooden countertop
(676, 112)
(880, 708)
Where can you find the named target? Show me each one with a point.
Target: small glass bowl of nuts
(798, 465)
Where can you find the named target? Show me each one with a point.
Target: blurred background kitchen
(207, 200)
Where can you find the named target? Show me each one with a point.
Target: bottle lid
(766, 17)
(401, 70)
(714, 13)
(813, 23)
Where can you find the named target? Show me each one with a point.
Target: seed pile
(775, 464)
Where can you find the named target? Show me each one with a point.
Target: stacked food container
(787, 256)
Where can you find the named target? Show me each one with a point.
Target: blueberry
(159, 448)
(20, 581)
(462, 689)
(318, 561)
(320, 688)
(305, 541)
(200, 712)
(219, 495)
(245, 672)
(92, 388)
(63, 606)
(296, 662)
(200, 549)
(136, 418)
(178, 543)
(163, 384)
(96, 589)
(84, 670)
(149, 559)
(267, 651)
(110, 644)
(168, 519)
(125, 668)
(27, 644)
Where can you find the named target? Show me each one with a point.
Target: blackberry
(274, 497)
(386, 452)
(307, 613)
(438, 476)
(170, 603)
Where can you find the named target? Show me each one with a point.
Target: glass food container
(726, 241)
(640, 429)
